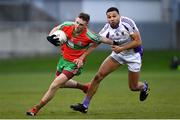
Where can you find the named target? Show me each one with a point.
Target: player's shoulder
(90, 33)
(127, 20)
(67, 23)
(106, 25)
(105, 28)
(93, 36)
(124, 18)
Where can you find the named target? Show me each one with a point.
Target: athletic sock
(86, 102)
(40, 105)
(80, 86)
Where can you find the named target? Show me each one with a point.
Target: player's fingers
(53, 36)
(75, 61)
(114, 46)
(80, 64)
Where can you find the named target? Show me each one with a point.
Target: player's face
(80, 25)
(113, 18)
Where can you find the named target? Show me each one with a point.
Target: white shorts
(133, 60)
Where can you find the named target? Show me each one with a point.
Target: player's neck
(76, 33)
(115, 26)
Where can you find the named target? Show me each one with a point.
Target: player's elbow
(139, 42)
(137, 39)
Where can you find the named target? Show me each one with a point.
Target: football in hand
(60, 35)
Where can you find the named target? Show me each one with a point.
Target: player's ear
(87, 23)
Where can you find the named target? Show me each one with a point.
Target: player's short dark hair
(112, 9)
(84, 16)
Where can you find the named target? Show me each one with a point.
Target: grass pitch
(23, 83)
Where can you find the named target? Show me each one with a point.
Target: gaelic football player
(128, 51)
(81, 41)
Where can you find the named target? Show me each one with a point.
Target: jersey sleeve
(132, 28)
(94, 37)
(104, 31)
(60, 27)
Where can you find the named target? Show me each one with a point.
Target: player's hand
(78, 62)
(54, 40)
(120, 41)
(117, 49)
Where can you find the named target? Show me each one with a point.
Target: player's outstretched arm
(80, 60)
(109, 41)
(89, 50)
(106, 40)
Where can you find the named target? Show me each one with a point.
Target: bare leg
(108, 66)
(134, 83)
(73, 84)
(58, 81)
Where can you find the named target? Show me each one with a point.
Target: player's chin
(113, 24)
(78, 30)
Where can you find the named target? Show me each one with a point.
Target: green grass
(152, 61)
(24, 81)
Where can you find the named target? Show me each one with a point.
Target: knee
(54, 86)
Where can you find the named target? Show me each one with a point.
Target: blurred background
(24, 24)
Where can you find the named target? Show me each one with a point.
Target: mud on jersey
(76, 45)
